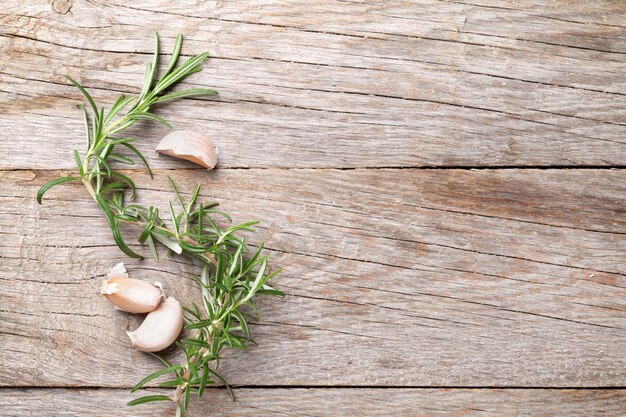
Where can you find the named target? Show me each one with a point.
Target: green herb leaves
(51, 184)
(230, 278)
(105, 185)
(94, 168)
(148, 399)
(231, 274)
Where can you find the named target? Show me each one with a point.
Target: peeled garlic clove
(160, 328)
(127, 294)
(189, 145)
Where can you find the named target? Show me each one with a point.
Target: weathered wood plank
(328, 87)
(395, 277)
(595, 26)
(324, 402)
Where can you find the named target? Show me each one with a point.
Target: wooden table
(443, 183)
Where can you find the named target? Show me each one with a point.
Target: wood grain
(322, 402)
(394, 278)
(411, 292)
(333, 84)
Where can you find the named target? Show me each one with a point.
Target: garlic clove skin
(189, 145)
(118, 271)
(127, 294)
(160, 328)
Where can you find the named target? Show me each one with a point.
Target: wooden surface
(334, 84)
(346, 402)
(411, 291)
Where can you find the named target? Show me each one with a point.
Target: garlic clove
(189, 145)
(160, 328)
(118, 271)
(127, 294)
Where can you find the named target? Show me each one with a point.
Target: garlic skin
(118, 271)
(127, 294)
(160, 328)
(189, 145)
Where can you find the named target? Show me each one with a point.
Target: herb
(231, 273)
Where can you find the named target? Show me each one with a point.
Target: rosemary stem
(90, 189)
(111, 125)
(200, 354)
(206, 255)
(140, 107)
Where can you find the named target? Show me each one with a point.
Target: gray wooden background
(443, 183)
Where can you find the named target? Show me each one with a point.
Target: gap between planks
(337, 387)
(390, 167)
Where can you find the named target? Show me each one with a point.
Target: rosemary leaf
(153, 117)
(175, 54)
(192, 92)
(139, 155)
(153, 251)
(155, 375)
(147, 399)
(51, 184)
(122, 159)
(115, 228)
(85, 93)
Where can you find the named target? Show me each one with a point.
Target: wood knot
(61, 6)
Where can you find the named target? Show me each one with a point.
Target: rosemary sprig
(231, 274)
